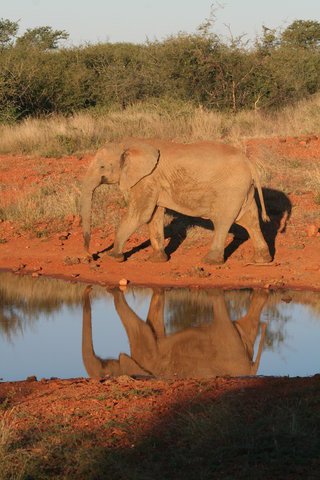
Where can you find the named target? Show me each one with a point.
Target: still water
(50, 328)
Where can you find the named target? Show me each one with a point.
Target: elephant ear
(138, 161)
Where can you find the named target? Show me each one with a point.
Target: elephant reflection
(222, 347)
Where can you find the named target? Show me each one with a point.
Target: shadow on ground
(257, 430)
(278, 207)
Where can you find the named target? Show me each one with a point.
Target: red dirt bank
(244, 428)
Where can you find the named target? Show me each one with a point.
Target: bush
(38, 78)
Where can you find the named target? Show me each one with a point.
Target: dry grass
(53, 136)
(7, 439)
(287, 175)
(46, 209)
(58, 135)
(6, 430)
(51, 201)
(314, 182)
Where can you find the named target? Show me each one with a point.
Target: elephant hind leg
(216, 254)
(250, 221)
(248, 325)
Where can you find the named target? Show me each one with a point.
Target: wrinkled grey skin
(209, 180)
(221, 347)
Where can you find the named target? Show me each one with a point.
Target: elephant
(211, 180)
(221, 347)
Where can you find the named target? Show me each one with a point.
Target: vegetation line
(38, 76)
(84, 131)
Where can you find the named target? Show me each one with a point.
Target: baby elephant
(206, 179)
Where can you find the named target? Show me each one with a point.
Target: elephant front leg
(156, 230)
(155, 316)
(129, 224)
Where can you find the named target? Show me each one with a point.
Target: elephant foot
(212, 259)
(117, 293)
(262, 257)
(118, 257)
(158, 257)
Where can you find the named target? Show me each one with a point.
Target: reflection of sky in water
(51, 346)
(299, 353)
(46, 349)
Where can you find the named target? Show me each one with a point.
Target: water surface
(50, 328)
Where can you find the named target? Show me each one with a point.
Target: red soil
(122, 397)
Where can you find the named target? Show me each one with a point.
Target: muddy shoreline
(196, 285)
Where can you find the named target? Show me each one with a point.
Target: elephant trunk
(88, 189)
(91, 362)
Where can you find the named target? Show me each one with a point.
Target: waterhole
(50, 328)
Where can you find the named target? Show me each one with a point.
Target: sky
(138, 20)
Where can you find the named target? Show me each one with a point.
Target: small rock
(32, 378)
(86, 259)
(95, 266)
(36, 269)
(199, 272)
(64, 236)
(71, 260)
(286, 299)
(123, 282)
(312, 230)
(21, 266)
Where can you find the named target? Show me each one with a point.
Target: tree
(268, 41)
(8, 31)
(302, 33)
(44, 38)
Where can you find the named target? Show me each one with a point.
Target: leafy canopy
(44, 38)
(302, 33)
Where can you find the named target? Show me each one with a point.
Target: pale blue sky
(136, 20)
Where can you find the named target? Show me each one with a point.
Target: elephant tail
(256, 180)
